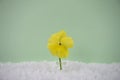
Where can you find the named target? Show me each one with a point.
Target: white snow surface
(50, 71)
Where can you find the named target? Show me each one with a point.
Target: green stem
(60, 63)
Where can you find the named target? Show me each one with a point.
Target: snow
(50, 71)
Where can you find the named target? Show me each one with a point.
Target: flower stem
(60, 63)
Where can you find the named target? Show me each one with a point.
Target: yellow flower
(59, 43)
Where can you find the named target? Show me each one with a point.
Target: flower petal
(62, 34)
(67, 41)
(62, 52)
(55, 38)
(53, 48)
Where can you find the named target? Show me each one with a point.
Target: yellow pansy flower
(59, 43)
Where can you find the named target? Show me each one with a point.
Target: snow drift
(50, 71)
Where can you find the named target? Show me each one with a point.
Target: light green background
(26, 25)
